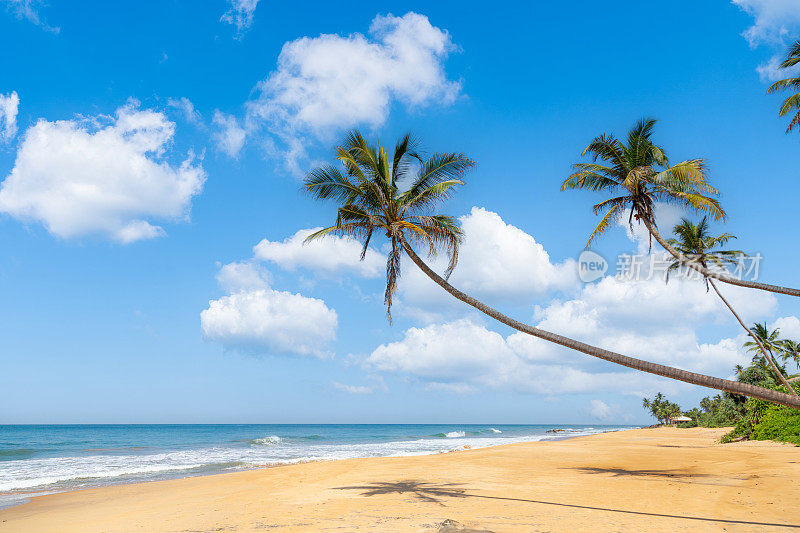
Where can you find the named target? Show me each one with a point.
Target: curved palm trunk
(709, 274)
(767, 355)
(736, 387)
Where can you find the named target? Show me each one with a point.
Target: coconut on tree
(698, 246)
(396, 196)
(637, 174)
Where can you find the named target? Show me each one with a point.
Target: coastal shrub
(752, 413)
(778, 423)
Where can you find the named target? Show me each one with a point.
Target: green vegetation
(778, 423)
(661, 408)
(751, 418)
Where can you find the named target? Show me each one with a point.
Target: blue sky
(155, 144)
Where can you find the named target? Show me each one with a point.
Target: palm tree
(767, 342)
(792, 103)
(791, 350)
(698, 246)
(639, 175)
(372, 197)
(661, 409)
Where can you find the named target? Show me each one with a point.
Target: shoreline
(15, 498)
(659, 479)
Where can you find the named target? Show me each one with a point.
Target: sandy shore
(648, 479)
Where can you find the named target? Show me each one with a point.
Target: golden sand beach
(639, 480)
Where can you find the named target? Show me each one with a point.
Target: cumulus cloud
(655, 321)
(497, 261)
(463, 356)
(331, 254)
(266, 320)
(324, 85)
(256, 318)
(789, 327)
(106, 175)
(243, 276)
(776, 23)
(240, 14)
(9, 106)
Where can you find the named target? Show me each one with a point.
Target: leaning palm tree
(792, 103)
(768, 342)
(697, 245)
(638, 174)
(396, 196)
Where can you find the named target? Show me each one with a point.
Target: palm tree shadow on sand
(427, 492)
(435, 493)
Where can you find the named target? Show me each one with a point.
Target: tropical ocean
(36, 459)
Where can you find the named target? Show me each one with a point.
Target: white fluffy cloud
(9, 106)
(330, 254)
(266, 320)
(257, 318)
(240, 14)
(789, 327)
(776, 22)
(497, 261)
(243, 276)
(324, 85)
(656, 321)
(83, 177)
(462, 356)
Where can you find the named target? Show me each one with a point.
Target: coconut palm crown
(792, 103)
(697, 244)
(395, 195)
(638, 174)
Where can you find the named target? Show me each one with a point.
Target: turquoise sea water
(52, 458)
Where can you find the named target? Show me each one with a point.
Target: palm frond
(591, 176)
(604, 224)
(790, 104)
(438, 168)
(429, 197)
(328, 183)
